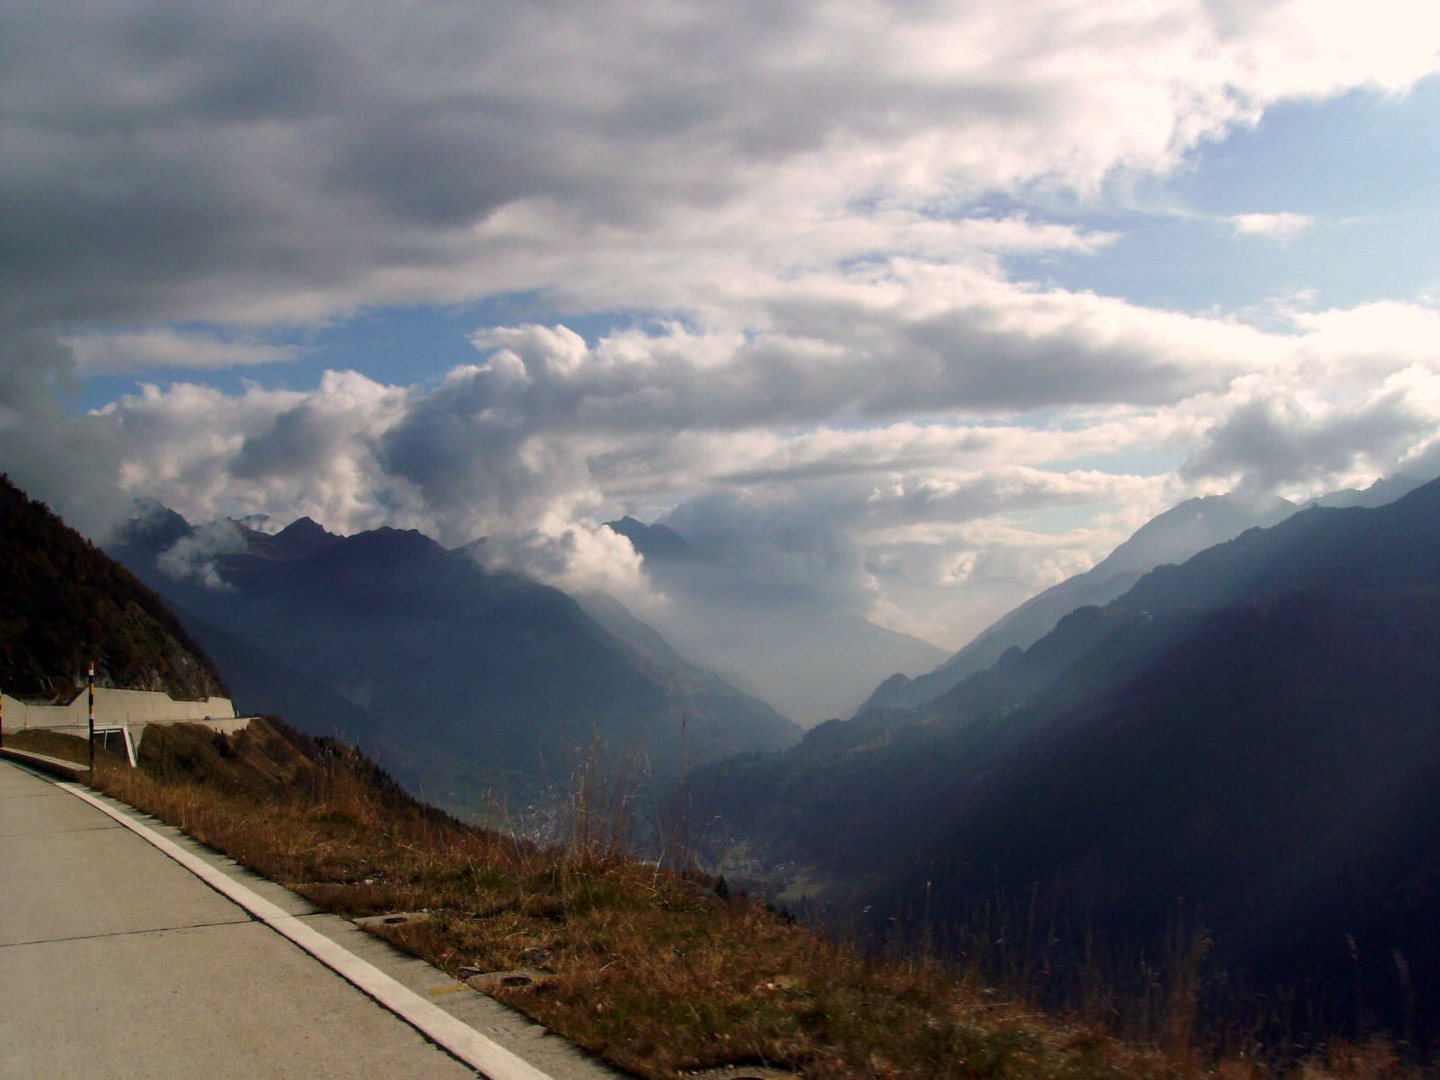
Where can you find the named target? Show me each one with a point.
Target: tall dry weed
(600, 819)
(662, 975)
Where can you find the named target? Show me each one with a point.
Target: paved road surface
(117, 962)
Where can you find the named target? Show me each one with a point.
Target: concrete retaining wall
(66, 770)
(115, 707)
(132, 710)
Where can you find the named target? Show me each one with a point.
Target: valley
(1240, 746)
(1251, 734)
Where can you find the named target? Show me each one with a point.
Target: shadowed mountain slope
(1170, 537)
(66, 604)
(478, 677)
(1256, 730)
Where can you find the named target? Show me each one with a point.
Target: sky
(921, 305)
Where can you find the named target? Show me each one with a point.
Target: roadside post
(92, 718)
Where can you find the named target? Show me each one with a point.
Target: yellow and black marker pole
(92, 718)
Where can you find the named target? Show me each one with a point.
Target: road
(117, 961)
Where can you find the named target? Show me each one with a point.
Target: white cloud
(209, 454)
(1274, 438)
(1371, 338)
(581, 557)
(194, 556)
(794, 456)
(1278, 228)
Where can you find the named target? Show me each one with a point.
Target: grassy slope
(654, 971)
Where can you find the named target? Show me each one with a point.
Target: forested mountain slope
(66, 604)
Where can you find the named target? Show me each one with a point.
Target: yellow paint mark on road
(453, 988)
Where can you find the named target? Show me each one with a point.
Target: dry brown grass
(652, 970)
(50, 743)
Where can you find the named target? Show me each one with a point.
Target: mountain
(1170, 537)
(1255, 731)
(776, 641)
(702, 692)
(67, 604)
(268, 686)
(1382, 491)
(298, 539)
(463, 681)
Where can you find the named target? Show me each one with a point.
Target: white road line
(456, 1036)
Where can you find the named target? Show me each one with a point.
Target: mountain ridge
(1170, 537)
(491, 680)
(1254, 730)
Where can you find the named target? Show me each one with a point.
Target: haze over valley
(940, 452)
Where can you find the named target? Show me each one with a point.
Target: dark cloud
(34, 370)
(1266, 444)
(173, 161)
(300, 441)
(178, 161)
(69, 463)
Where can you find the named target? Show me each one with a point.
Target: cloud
(1372, 338)
(1278, 228)
(299, 163)
(163, 347)
(193, 556)
(65, 462)
(902, 340)
(937, 554)
(580, 558)
(839, 366)
(1274, 437)
(859, 474)
(209, 454)
(35, 369)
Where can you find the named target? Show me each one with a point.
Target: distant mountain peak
(1387, 489)
(302, 537)
(1171, 537)
(1193, 525)
(299, 539)
(304, 526)
(474, 548)
(386, 542)
(654, 541)
(152, 522)
(262, 523)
